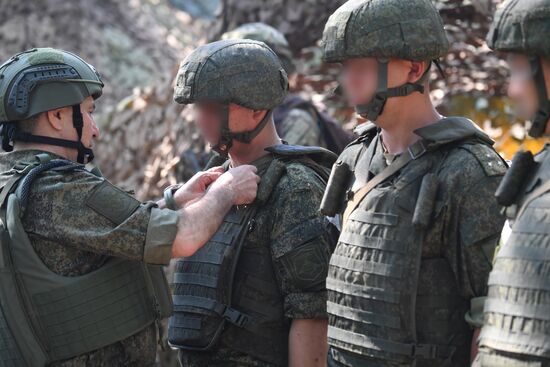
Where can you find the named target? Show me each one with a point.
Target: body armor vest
(517, 309)
(46, 317)
(377, 293)
(204, 304)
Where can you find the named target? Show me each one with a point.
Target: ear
(416, 70)
(56, 118)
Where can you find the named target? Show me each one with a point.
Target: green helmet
(524, 27)
(40, 80)
(384, 29)
(43, 79)
(268, 35)
(245, 72)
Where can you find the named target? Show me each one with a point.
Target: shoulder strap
(386, 173)
(414, 151)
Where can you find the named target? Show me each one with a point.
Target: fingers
(219, 169)
(209, 177)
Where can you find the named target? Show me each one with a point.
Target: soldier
(420, 221)
(255, 294)
(81, 282)
(516, 330)
(297, 120)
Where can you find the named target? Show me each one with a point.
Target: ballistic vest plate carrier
(47, 317)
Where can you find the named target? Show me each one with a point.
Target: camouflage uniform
(277, 245)
(300, 127)
(72, 240)
(419, 228)
(516, 330)
(74, 233)
(279, 251)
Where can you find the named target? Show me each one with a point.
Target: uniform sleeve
(480, 223)
(89, 213)
(302, 242)
(301, 128)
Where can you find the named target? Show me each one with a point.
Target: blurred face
(208, 117)
(360, 77)
(521, 88)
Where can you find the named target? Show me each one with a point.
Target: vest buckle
(417, 149)
(235, 317)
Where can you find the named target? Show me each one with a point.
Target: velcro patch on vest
(112, 203)
(487, 158)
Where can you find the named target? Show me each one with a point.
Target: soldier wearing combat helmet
(407, 280)
(82, 281)
(255, 294)
(516, 330)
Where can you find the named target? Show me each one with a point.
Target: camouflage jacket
(73, 239)
(290, 214)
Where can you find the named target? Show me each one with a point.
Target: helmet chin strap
(540, 120)
(226, 136)
(374, 108)
(85, 155)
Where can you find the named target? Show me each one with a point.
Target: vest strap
(426, 351)
(415, 151)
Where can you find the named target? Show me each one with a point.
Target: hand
(196, 186)
(241, 183)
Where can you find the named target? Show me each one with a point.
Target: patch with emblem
(112, 203)
(307, 266)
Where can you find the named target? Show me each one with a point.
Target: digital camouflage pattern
(288, 250)
(268, 35)
(522, 27)
(73, 239)
(232, 71)
(411, 30)
(300, 127)
(456, 243)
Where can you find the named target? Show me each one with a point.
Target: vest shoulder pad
(320, 155)
(452, 129)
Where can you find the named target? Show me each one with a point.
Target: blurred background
(137, 46)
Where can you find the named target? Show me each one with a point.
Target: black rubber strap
(374, 108)
(24, 188)
(169, 200)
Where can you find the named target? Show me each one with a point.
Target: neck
(401, 117)
(60, 151)
(241, 153)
